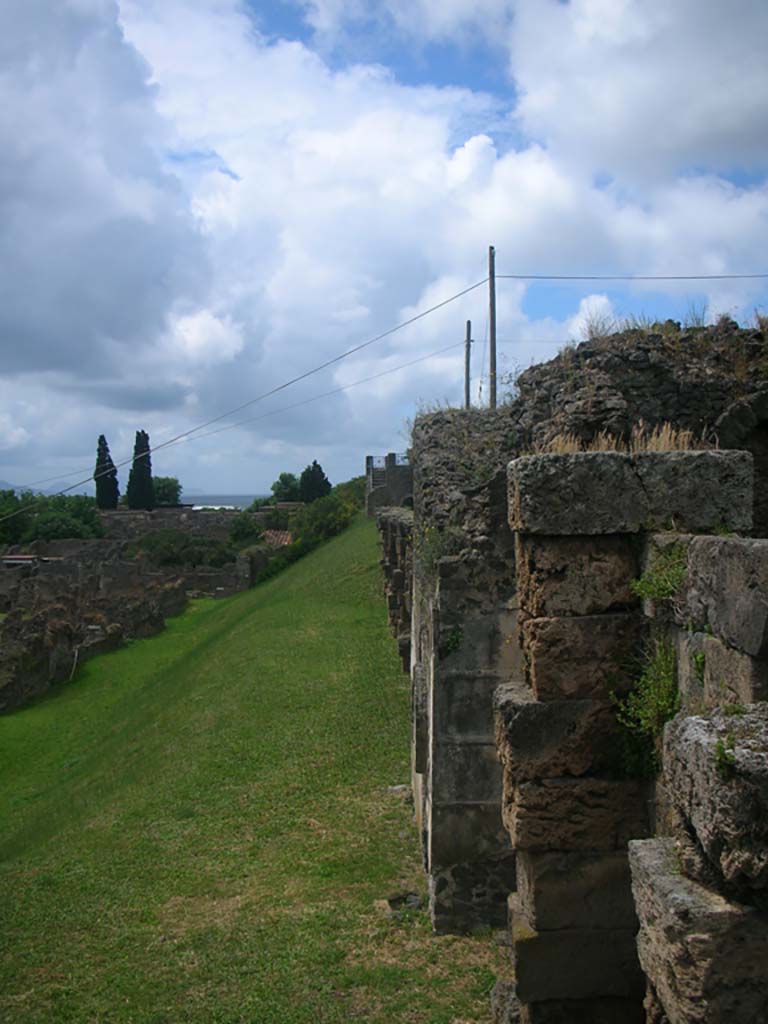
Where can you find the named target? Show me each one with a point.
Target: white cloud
(644, 88)
(196, 212)
(205, 338)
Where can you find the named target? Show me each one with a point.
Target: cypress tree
(314, 483)
(141, 492)
(105, 475)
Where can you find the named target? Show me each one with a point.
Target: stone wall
(701, 886)
(580, 523)
(130, 524)
(468, 585)
(388, 482)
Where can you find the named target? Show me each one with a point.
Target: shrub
(245, 530)
(165, 548)
(653, 701)
(665, 575)
(61, 517)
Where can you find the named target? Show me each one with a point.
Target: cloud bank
(200, 203)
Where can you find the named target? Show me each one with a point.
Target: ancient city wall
(546, 616)
(571, 805)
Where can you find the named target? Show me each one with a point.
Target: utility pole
(467, 343)
(492, 325)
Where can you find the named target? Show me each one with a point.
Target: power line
(273, 391)
(327, 394)
(267, 415)
(632, 277)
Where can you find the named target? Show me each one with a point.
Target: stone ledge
(610, 492)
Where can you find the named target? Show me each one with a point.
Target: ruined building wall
(701, 886)
(463, 607)
(581, 525)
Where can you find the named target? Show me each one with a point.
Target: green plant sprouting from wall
(664, 577)
(652, 702)
(432, 544)
(725, 758)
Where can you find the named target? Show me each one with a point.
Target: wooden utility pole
(467, 344)
(492, 325)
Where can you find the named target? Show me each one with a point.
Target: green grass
(197, 829)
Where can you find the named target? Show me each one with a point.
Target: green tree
(314, 483)
(286, 487)
(105, 475)
(140, 492)
(167, 490)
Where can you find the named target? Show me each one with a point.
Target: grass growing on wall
(198, 828)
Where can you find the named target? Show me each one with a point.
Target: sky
(203, 199)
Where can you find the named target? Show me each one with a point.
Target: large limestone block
(555, 738)
(575, 814)
(462, 705)
(696, 491)
(731, 677)
(583, 656)
(463, 833)
(610, 492)
(575, 890)
(465, 772)
(705, 957)
(574, 575)
(727, 591)
(574, 963)
(717, 776)
(583, 493)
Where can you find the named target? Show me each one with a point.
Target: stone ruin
(66, 601)
(388, 482)
(509, 590)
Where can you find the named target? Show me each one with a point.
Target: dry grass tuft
(664, 437)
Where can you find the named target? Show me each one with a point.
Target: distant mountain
(5, 486)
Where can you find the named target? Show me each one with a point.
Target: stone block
(716, 771)
(582, 657)
(463, 705)
(464, 897)
(727, 591)
(465, 772)
(574, 963)
(696, 491)
(582, 493)
(555, 738)
(731, 677)
(462, 833)
(575, 890)
(575, 814)
(610, 492)
(704, 956)
(574, 575)
(583, 1011)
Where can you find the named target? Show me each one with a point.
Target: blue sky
(205, 198)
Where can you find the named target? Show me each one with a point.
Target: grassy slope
(196, 829)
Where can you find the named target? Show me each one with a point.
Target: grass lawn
(197, 829)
